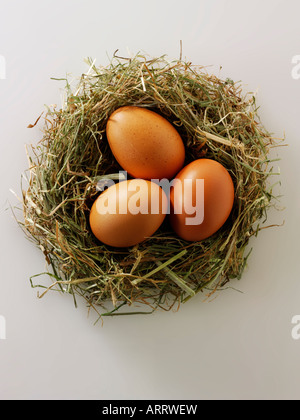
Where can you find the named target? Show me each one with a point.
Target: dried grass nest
(215, 120)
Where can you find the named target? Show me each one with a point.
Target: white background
(235, 346)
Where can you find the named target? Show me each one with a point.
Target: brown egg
(128, 212)
(144, 143)
(201, 199)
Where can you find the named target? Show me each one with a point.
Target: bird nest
(215, 119)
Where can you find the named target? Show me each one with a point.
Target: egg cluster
(150, 150)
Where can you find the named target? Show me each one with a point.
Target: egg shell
(127, 213)
(144, 143)
(217, 199)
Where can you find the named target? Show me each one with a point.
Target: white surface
(238, 345)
